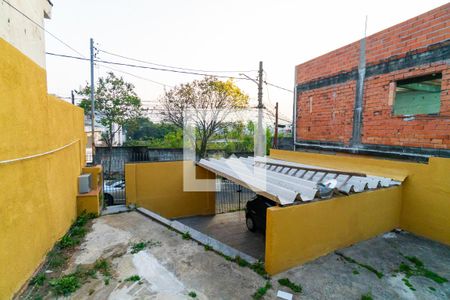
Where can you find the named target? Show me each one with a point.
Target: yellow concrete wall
(299, 233)
(425, 192)
(158, 186)
(38, 199)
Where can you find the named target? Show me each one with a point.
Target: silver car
(114, 191)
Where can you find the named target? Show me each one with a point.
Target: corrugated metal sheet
(287, 182)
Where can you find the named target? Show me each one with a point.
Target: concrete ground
(345, 274)
(170, 270)
(172, 267)
(230, 229)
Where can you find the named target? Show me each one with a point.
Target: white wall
(20, 32)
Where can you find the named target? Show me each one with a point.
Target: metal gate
(113, 181)
(230, 196)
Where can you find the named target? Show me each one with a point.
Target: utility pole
(73, 97)
(260, 149)
(275, 135)
(92, 99)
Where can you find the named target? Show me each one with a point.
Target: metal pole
(73, 97)
(275, 135)
(92, 98)
(260, 142)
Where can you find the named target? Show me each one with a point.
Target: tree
(209, 100)
(116, 104)
(145, 130)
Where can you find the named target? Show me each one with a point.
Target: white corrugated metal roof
(286, 182)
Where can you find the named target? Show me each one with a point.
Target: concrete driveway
(147, 260)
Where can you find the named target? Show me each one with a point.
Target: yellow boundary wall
(421, 205)
(299, 233)
(158, 186)
(38, 201)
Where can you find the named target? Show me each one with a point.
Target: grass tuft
(186, 235)
(39, 279)
(133, 278)
(262, 291)
(192, 294)
(368, 267)
(418, 269)
(137, 247)
(65, 285)
(297, 288)
(367, 296)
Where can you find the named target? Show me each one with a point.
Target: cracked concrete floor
(178, 267)
(169, 271)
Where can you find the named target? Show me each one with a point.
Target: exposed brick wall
(326, 113)
(380, 126)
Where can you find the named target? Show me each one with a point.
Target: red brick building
(387, 93)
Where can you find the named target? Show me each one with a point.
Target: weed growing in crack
(367, 296)
(192, 294)
(262, 291)
(65, 285)
(418, 269)
(370, 268)
(186, 236)
(39, 279)
(133, 278)
(297, 288)
(137, 247)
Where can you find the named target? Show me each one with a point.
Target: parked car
(255, 213)
(114, 191)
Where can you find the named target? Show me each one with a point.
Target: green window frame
(418, 95)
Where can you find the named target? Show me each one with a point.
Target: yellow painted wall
(299, 233)
(38, 199)
(158, 186)
(425, 192)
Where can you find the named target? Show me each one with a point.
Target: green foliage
(432, 288)
(418, 269)
(116, 102)
(208, 248)
(76, 232)
(355, 272)
(143, 130)
(367, 296)
(297, 288)
(211, 94)
(368, 267)
(192, 294)
(103, 266)
(133, 278)
(259, 268)
(137, 247)
(186, 235)
(241, 262)
(65, 285)
(39, 279)
(262, 291)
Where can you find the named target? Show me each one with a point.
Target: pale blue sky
(212, 35)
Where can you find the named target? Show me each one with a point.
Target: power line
(144, 67)
(278, 87)
(41, 27)
(174, 67)
(134, 75)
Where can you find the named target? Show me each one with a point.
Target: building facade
(387, 93)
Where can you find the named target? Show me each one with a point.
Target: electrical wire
(143, 67)
(41, 27)
(174, 67)
(278, 87)
(134, 75)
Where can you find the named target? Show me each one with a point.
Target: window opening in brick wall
(418, 95)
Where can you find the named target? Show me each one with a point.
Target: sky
(220, 35)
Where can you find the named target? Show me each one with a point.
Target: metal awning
(286, 182)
